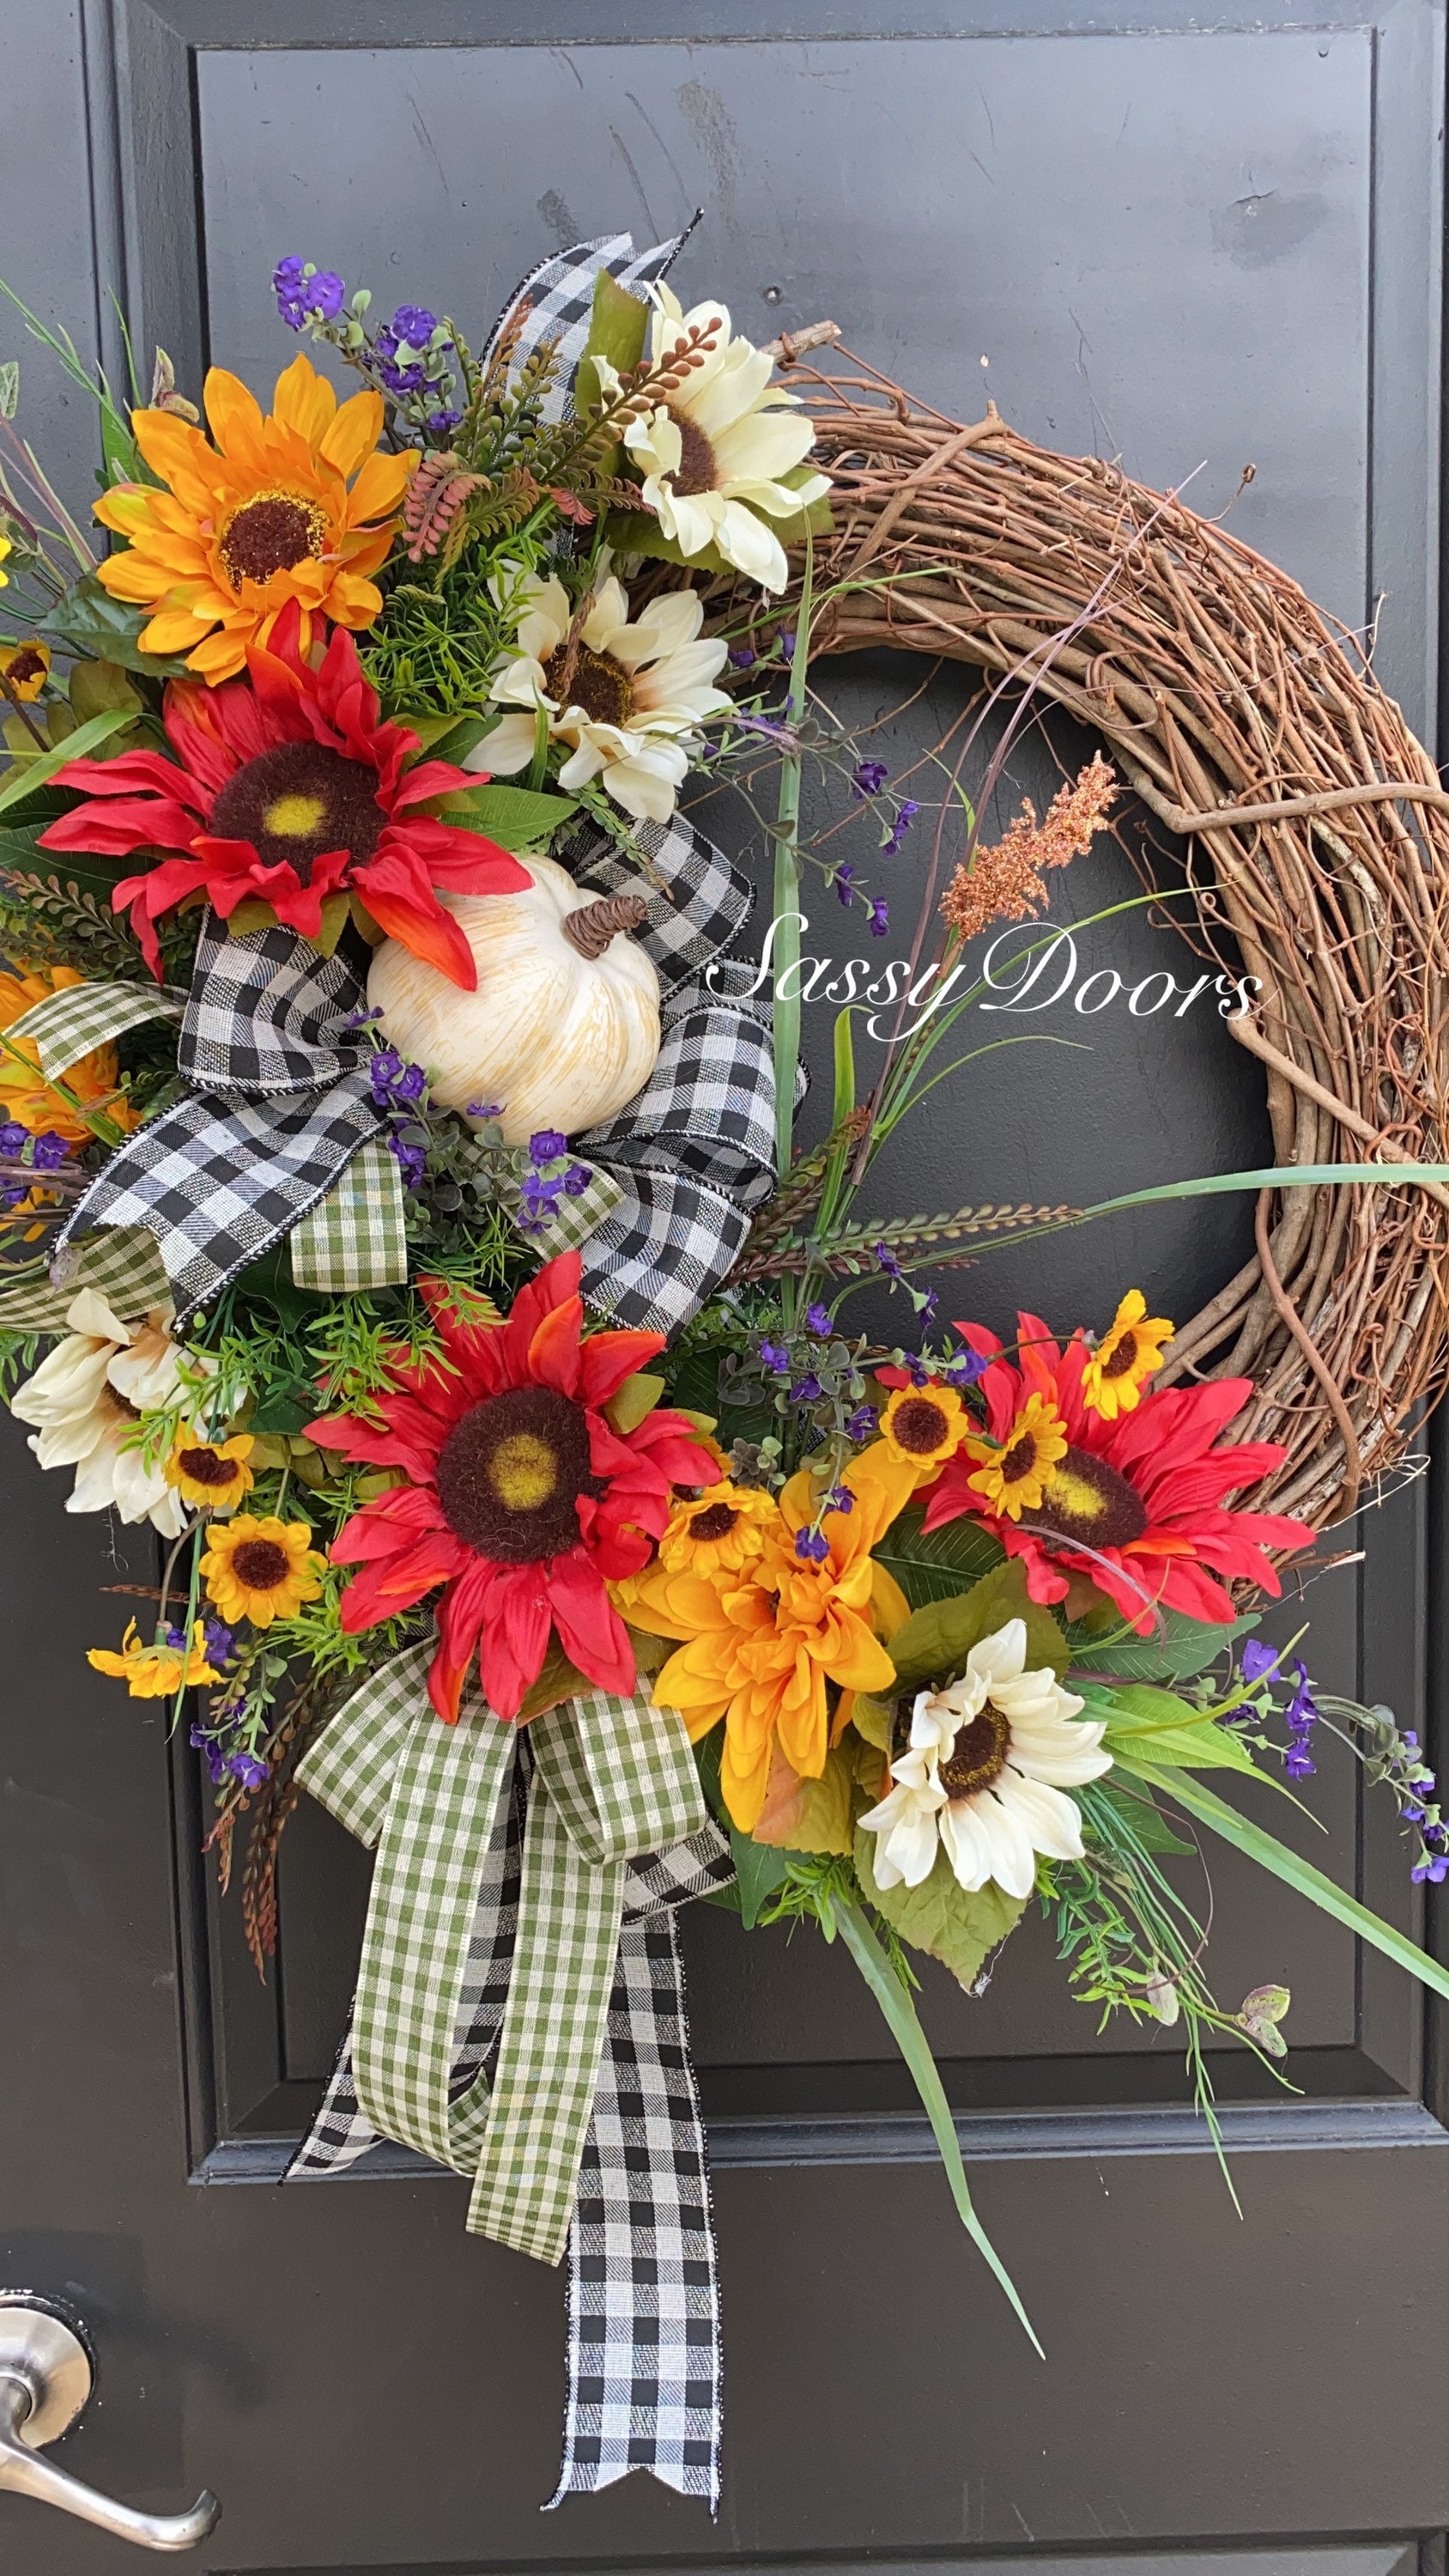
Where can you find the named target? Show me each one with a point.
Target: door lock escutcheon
(46, 2378)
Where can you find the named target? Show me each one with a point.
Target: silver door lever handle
(45, 2380)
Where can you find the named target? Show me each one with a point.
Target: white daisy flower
(630, 709)
(88, 1394)
(984, 1774)
(713, 453)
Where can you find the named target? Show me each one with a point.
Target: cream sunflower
(85, 1399)
(712, 456)
(627, 703)
(985, 1774)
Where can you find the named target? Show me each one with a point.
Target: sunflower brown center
(260, 1564)
(510, 1474)
(918, 1426)
(27, 664)
(1020, 1459)
(978, 1755)
(271, 534)
(698, 465)
(298, 801)
(1086, 1499)
(715, 1521)
(206, 1467)
(600, 685)
(1122, 1359)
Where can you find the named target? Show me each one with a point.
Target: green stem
(190, 1625)
(915, 2048)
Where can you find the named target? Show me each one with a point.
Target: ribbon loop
(621, 1774)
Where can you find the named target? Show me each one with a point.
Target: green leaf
(119, 452)
(812, 1815)
(559, 1679)
(516, 817)
(759, 1871)
(85, 740)
(9, 389)
(875, 1719)
(95, 686)
(1147, 1727)
(931, 1566)
(1274, 1856)
(1185, 1646)
(904, 2025)
(844, 1100)
(108, 629)
(454, 737)
(617, 330)
(935, 1641)
(1126, 1820)
(939, 1916)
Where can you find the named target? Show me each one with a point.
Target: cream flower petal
(522, 684)
(752, 548)
(607, 618)
(1007, 1840)
(1053, 1821)
(582, 767)
(689, 671)
(763, 446)
(66, 1384)
(965, 1842)
(667, 626)
(509, 747)
(905, 1824)
(89, 1313)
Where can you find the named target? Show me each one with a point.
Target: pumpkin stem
(591, 928)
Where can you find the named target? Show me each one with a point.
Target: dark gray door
(1193, 246)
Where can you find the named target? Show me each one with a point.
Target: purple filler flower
(886, 1261)
(1259, 1663)
(415, 324)
(817, 1321)
(741, 658)
(965, 1369)
(440, 422)
(811, 1546)
(218, 1642)
(13, 1137)
(576, 1180)
(547, 1145)
(906, 813)
(844, 882)
(880, 919)
(840, 1499)
(807, 1390)
(412, 1161)
(863, 1423)
(775, 1356)
(303, 297)
(870, 778)
(246, 1768)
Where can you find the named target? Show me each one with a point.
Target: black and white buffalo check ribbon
(557, 299)
(644, 2374)
(280, 1104)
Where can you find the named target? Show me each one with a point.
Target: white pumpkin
(563, 1029)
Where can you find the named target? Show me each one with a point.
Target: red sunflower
(287, 789)
(1135, 1504)
(520, 1498)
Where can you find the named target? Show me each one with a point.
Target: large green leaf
(758, 1872)
(1147, 1727)
(26, 776)
(1126, 1820)
(935, 1641)
(939, 1916)
(1183, 1647)
(931, 1566)
(1198, 1800)
(901, 2019)
(516, 817)
(108, 629)
(617, 330)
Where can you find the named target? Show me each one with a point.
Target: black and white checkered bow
(558, 302)
(272, 1041)
(644, 2362)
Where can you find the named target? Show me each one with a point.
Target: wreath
(404, 1218)
(1253, 729)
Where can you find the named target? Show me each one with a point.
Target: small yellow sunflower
(261, 1570)
(924, 1425)
(213, 1473)
(25, 669)
(1014, 1478)
(264, 517)
(25, 1095)
(155, 1671)
(721, 1532)
(1125, 1358)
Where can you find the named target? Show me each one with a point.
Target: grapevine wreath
(402, 1215)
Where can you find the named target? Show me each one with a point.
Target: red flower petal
(553, 1349)
(610, 1358)
(590, 1629)
(460, 1625)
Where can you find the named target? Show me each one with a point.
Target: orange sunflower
(289, 505)
(760, 1643)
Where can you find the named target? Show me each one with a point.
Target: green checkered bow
(613, 1780)
(81, 1017)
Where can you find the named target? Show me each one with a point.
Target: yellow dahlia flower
(760, 1645)
(25, 1095)
(293, 504)
(712, 455)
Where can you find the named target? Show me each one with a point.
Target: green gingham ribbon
(614, 1779)
(73, 1022)
(123, 1265)
(573, 1220)
(355, 1237)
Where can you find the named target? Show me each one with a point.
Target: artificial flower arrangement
(419, 1241)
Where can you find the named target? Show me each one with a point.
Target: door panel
(1169, 244)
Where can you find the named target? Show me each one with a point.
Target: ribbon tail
(644, 2346)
